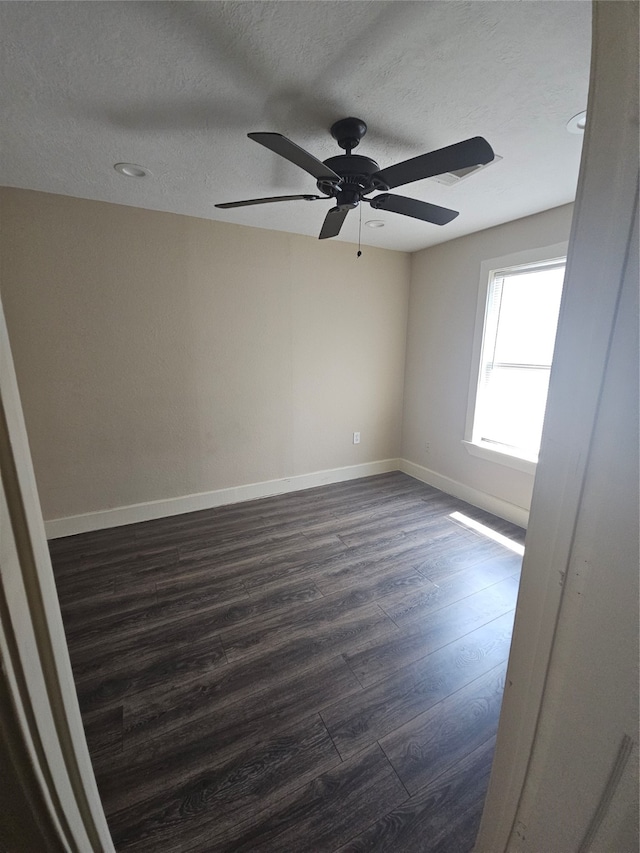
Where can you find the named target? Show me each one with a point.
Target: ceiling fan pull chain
(359, 234)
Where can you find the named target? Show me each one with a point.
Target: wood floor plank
(188, 791)
(228, 684)
(106, 685)
(144, 613)
(356, 722)
(432, 630)
(327, 811)
(174, 604)
(255, 571)
(434, 741)
(234, 549)
(100, 592)
(444, 560)
(314, 622)
(151, 729)
(105, 598)
(107, 561)
(104, 732)
(442, 818)
(381, 528)
(418, 604)
(349, 569)
(302, 647)
(141, 642)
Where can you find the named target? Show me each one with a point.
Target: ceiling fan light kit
(348, 178)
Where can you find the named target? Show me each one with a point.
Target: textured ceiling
(176, 87)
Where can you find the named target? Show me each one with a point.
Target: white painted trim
(119, 516)
(484, 451)
(625, 751)
(50, 758)
(598, 245)
(516, 514)
(487, 268)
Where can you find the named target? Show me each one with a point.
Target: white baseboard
(516, 514)
(102, 519)
(119, 516)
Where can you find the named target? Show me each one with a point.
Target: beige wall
(161, 355)
(442, 311)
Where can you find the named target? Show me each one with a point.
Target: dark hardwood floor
(318, 671)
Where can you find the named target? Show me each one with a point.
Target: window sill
(528, 466)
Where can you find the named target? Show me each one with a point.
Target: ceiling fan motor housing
(356, 173)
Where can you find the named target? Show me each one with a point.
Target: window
(515, 345)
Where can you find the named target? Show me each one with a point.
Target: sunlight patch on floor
(512, 545)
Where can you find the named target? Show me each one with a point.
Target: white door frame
(598, 245)
(41, 733)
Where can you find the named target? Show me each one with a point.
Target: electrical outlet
(427, 447)
(356, 438)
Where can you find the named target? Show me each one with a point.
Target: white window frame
(543, 254)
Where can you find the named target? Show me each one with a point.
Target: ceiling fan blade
(279, 144)
(270, 199)
(412, 207)
(333, 222)
(462, 155)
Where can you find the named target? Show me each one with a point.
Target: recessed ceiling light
(374, 223)
(578, 123)
(131, 170)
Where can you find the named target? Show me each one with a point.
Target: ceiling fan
(348, 178)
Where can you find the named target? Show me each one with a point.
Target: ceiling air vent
(451, 178)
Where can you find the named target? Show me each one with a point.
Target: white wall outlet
(427, 447)
(356, 438)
